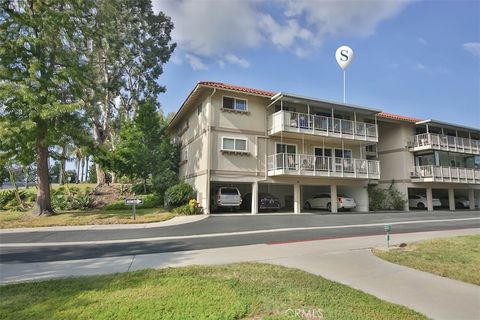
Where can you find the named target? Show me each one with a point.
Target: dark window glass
(229, 191)
(228, 103)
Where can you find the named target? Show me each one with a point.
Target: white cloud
(473, 48)
(422, 41)
(233, 59)
(434, 70)
(420, 66)
(346, 18)
(195, 62)
(287, 35)
(212, 27)
(219, 31)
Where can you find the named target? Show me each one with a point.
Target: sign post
(134, 203)
(388, 228)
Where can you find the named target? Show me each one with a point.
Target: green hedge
(178, 195)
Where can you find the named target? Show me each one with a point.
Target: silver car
(227, 197)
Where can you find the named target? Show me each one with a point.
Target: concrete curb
(177, 220)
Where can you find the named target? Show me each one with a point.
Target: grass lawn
(15, 219)
(237, 291)
(456, 258)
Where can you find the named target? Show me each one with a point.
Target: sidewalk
(348, 261)
(171, 222)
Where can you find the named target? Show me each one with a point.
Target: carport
(358, 193)
(243, 187)
(284, 192)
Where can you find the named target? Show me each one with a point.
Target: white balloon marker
(344, 56)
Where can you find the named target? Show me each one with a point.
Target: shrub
(83, 201)
(178, 195)
(385, 199)
(6, 197)
(138, 189)
(396, 199)
(8, 201)
(185, 209)
(71, 199)
(163, 181)
(149, 201)
(376, 198)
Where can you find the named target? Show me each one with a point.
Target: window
(345, 153)
(234, 144)
(185, 154)
(234, 104)
(320, 152)
(286, 148)
(199, 109)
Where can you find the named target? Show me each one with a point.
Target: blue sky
(416, 58)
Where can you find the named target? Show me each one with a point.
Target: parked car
(266, 201)
(323, 201)
(460, 202)
(227, 197)
(420, 201)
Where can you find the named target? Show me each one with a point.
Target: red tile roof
(227, 86)
(393, 116)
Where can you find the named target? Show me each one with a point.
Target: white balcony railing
(445, 174)
(448, 143)
(321, 125)
(310, 165)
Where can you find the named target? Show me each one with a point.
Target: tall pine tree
(41, 72)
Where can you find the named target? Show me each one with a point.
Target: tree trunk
(77, 176)
(88, 168)
(114, 177)
(100, 175)
(26, 173)
(61, 176)
(99, 139)
(43, 203)
(13, 180)
(144, 186)
(83, 169)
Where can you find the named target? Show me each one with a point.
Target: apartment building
(297, 148)
(435, 159)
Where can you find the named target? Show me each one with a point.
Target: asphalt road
(220, 231)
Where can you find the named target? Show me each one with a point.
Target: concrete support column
(471, 199)
(333, 198)
(429, 199)
(297, 205)
(255, 197)
(451, 199)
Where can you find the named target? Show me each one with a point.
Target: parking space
(417, 198)
(350, 198)
(233, 206)
(282, 192)
(442, 198)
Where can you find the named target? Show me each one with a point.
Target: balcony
(427, 141)
(445, 174)
(288, 121)
(285, 164)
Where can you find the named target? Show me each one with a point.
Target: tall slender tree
(41, 72)
(127, 49)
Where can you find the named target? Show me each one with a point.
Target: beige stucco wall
(396, 160)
